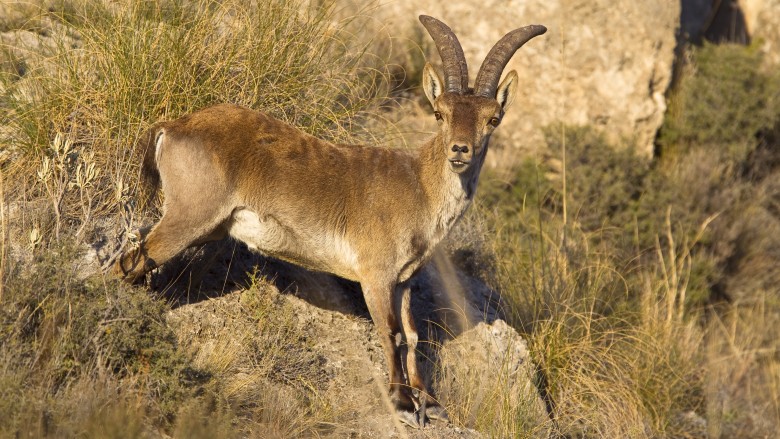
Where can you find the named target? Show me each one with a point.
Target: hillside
(616, 277)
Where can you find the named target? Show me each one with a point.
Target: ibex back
(368, 214)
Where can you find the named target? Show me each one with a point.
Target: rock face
(735, 21)
(762, 18)
(492, 361)
(603, 63)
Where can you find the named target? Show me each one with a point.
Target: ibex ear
(431, 83)
(507, 90)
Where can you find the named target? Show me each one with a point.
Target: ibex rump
(371, 215)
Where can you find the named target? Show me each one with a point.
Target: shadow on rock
(443, 298)
(219, 268)
(465, 345)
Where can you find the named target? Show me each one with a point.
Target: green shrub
(607, 328)
(603, 181)
(60, 331)
(724, 101)
(719, 153)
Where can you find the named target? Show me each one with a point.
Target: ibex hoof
(421, 417)
(409, 418)
(437, 412)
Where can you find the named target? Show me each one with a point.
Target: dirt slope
(345, 358)
(315, 343)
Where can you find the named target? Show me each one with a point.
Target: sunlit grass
(82, 354)
(611, 281)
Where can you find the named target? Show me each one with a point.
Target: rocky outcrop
(762, 18)
(488, 362)
(260, 340)
(741, 21)
(602, 63)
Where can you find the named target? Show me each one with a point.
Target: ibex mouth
(458, 165)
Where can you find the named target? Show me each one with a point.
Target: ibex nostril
(460, 148)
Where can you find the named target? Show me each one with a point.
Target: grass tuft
(647, 293)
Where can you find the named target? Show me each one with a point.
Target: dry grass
(612, 368)
(269, 384)
(103, 73)
(743, 398)
(612, 281)
(622, 302)
(83, 355)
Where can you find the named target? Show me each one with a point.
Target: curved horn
(495, 61)
(456, 73)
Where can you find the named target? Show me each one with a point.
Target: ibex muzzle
(368, 214)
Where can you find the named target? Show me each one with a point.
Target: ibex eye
(437, 115)
(494, 121)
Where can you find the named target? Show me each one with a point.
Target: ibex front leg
(379, 301)
(425, 407)
(390, 313)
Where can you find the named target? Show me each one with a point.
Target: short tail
(150, 175)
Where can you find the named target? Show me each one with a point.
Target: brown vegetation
(647, 292)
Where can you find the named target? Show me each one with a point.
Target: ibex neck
(449, 194)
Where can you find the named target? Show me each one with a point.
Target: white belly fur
(317, 251)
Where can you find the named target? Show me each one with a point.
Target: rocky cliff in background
(762, 18)
(603, 63)
(734, 21)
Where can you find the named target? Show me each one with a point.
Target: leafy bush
(724, 102)
(60, 332)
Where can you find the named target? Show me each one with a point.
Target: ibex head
(467, 116)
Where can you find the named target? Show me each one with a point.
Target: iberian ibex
(368, 214)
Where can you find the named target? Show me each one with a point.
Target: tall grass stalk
(111, 71)
(3, 236)
(619, 352)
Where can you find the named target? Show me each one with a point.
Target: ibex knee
(411, 340)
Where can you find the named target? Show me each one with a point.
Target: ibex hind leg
(179, 228)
